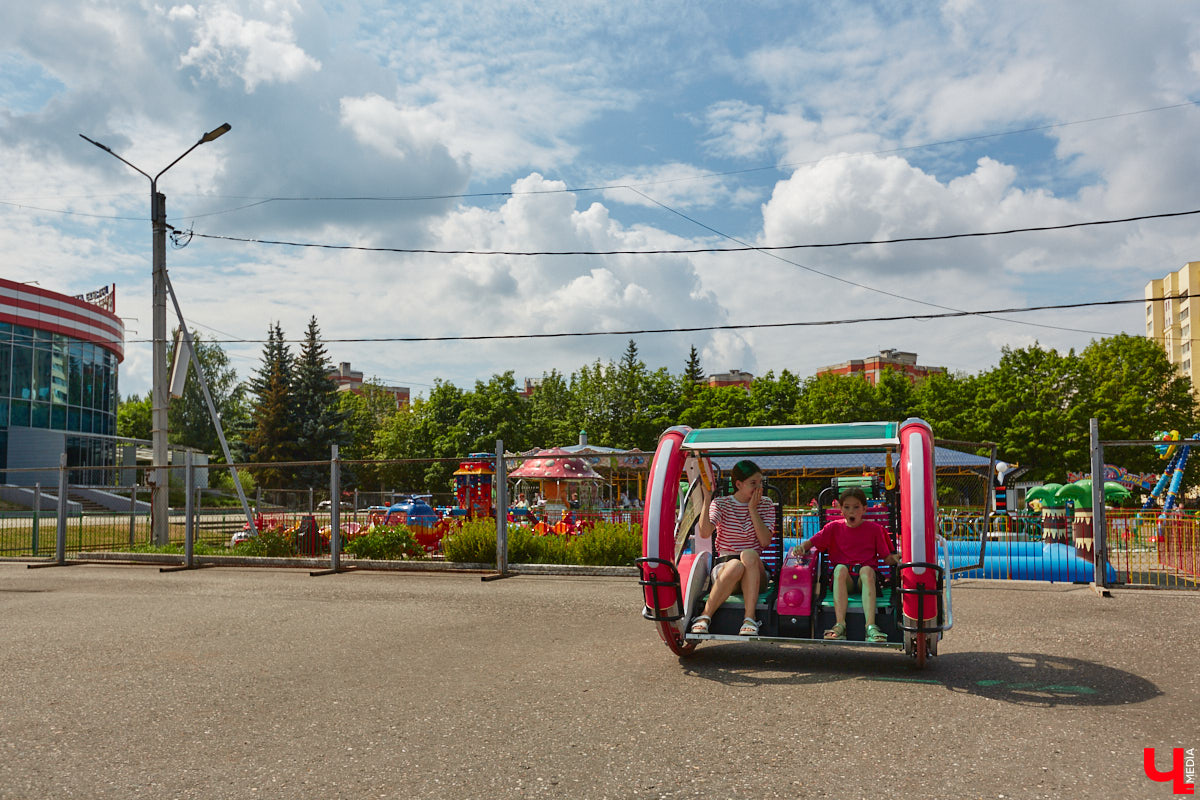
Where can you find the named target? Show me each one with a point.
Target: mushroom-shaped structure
(552, 468)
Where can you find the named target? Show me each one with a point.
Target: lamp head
(216, 133)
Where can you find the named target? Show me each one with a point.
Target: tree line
(1034, 404)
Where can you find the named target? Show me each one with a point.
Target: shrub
(394, 542)
(526, 547)
(273, 542)
(176, 548)
(474, 542)
(608, 544)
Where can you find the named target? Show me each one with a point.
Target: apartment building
(1169, 318)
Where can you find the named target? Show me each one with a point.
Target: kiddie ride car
(796, 605)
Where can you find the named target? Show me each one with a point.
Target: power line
(692, 250)
(697, 328)
(816, 271)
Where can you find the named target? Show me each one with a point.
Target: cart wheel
(921, 648)
(679, 646)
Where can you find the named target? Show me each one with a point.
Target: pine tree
(320, 422)
(692, 378)
(273, 436)
(693, 372)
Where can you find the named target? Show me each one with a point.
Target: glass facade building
(58, 380)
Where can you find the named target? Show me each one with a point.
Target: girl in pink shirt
(852, 541)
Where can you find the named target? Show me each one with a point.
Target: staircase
(89, 506)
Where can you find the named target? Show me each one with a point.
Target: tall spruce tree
(273, 435)
(320, 421)
(693, 371)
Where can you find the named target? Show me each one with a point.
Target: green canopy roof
(846, 437)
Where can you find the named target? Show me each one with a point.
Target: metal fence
(96, 513)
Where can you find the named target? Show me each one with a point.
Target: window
(75, 374)
(20, 413)
(41, 375)
(1149, 310)
(41, 415)
(22, 373)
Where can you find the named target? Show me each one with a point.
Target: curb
(172, 559)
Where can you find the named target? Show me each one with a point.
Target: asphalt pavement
(124, 682)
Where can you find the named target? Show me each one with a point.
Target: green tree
(549, 412)
(947, 403)
(893, 396)
(1028, 405)
(773, 400)
(693, 371)
(589, 402)
(629, 421)
(833, 398)
(663, 403)
(428, 428)
(134, 417)
(717, 407)
(495, 410)
(365, 412)
(1129, 386)
(273, 435)
(319, 419)
(189, 422)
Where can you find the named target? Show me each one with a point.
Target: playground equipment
(1175, 452)
(914, 607)
(559, 473)
(473, 485)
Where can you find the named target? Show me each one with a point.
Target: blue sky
(769, 122)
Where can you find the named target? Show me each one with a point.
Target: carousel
(564, 483)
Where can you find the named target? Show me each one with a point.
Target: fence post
(335, 509)
(132, 514)
(189, 525)
(60, 537)
(1099, 523)
(37, 514)
(335, 514)
(310, 499)
(501, 510)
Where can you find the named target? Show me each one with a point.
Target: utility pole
(159, 393)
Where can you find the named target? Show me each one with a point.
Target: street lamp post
(158, 415)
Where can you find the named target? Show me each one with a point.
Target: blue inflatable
(1022, 561)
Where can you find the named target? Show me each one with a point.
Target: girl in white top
(744, 523)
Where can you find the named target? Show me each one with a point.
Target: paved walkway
(122, 682)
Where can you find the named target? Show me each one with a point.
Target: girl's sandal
(749, 627)
(874, 634)
(837, 632)
(700, 624)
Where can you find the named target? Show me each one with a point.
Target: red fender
(918, 523)
(658, 527)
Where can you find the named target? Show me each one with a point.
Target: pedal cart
(796, 605)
